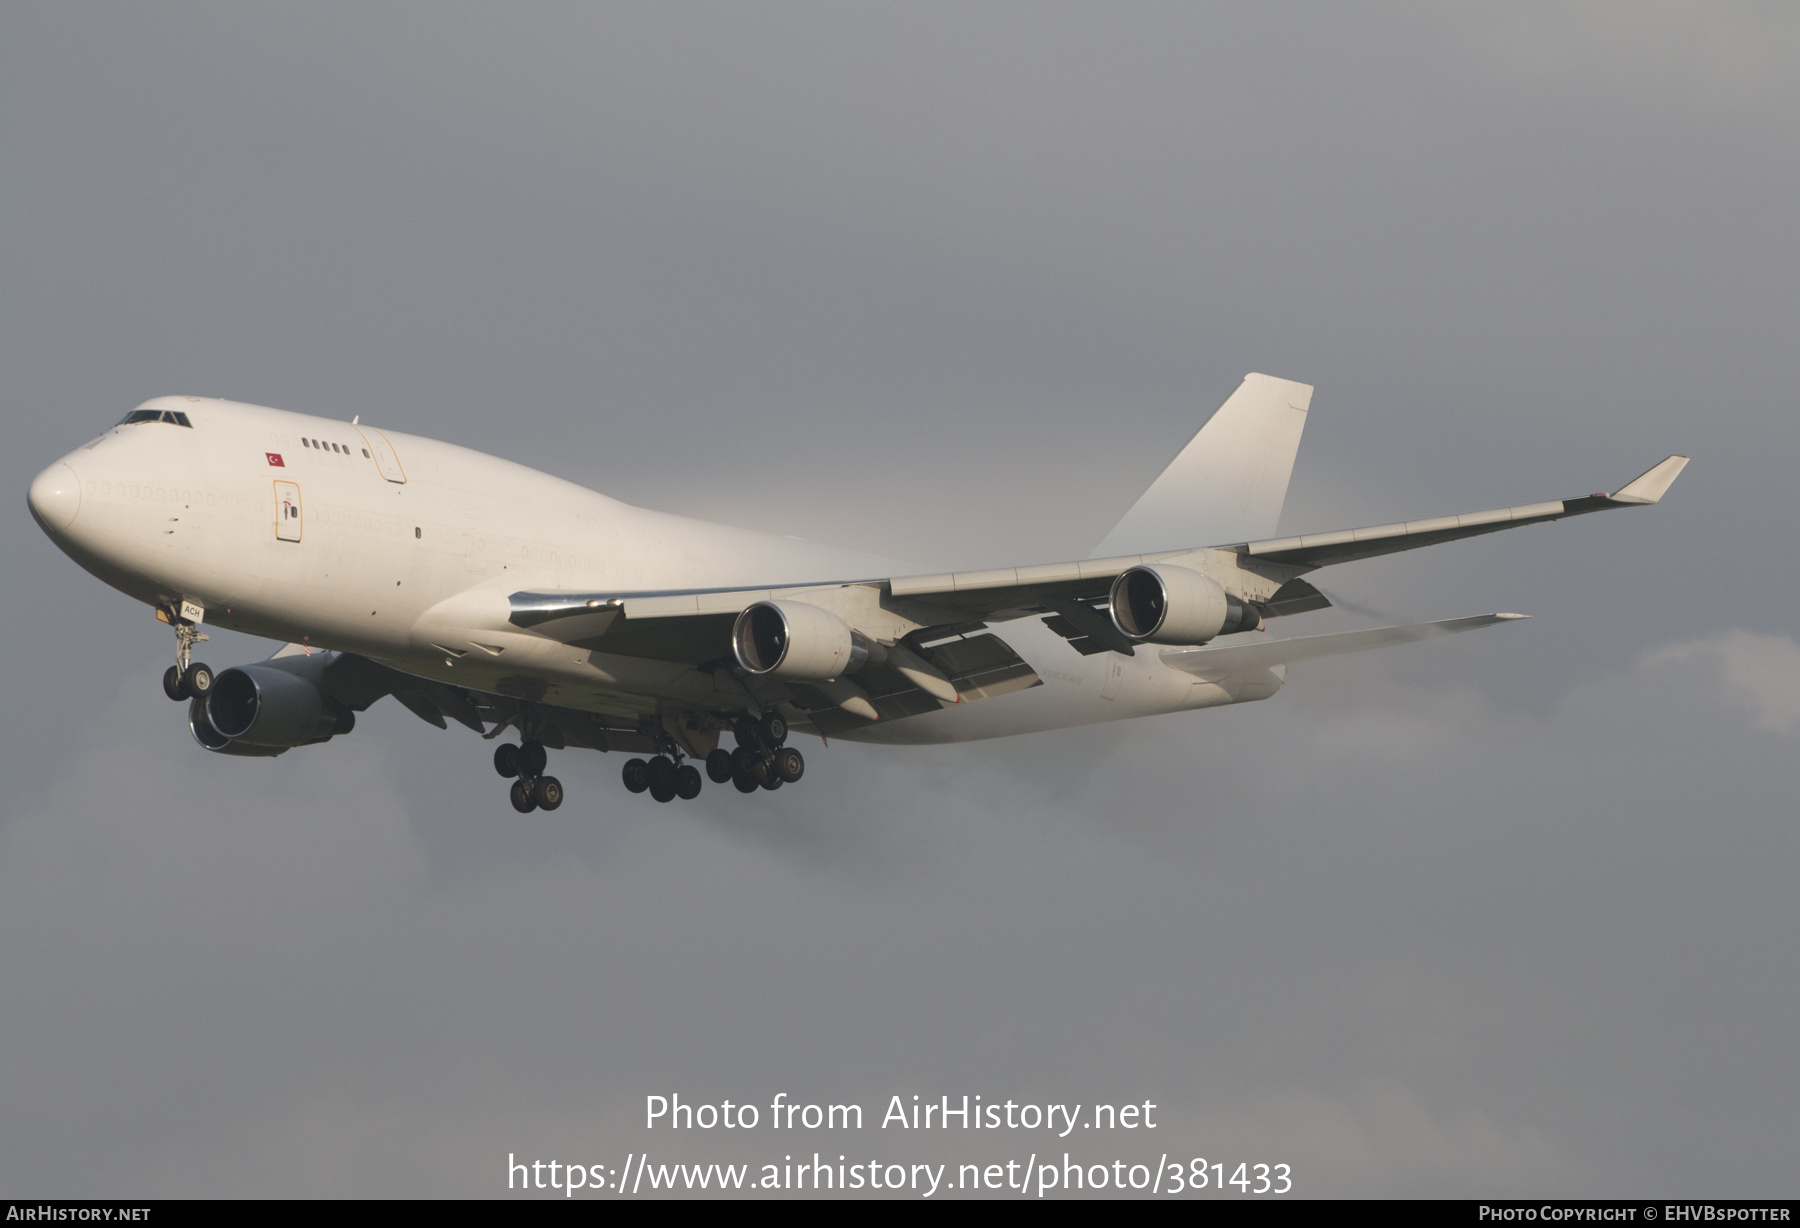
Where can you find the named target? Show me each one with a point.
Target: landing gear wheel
(532, 759)
(771, 782)
(547, 792)
(687, 782)
(662, 778)
(744, 782)
(718, 766)
(637, 775)
(172, 684)
(772, 729)
(790, 765)
(506, 759)
(522, 799)
(746, 733)
(197, 680)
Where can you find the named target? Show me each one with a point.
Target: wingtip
(1650, 486)
(1510, 617)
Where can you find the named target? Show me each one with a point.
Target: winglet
(1651, 486)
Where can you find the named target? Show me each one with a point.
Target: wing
(935, 627)
(353, 682)
(1321, 549)
(694, 625)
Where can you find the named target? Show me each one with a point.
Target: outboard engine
(801, 641)
(1159, 603)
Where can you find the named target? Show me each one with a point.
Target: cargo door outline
(288, 519)
(383, 454)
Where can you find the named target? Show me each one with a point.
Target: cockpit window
(172, 417)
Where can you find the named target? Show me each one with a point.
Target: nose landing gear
(187, 678)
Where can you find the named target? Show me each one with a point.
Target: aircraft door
(383, 454)
(288, 521)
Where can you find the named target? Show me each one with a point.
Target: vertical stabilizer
(1228, 484)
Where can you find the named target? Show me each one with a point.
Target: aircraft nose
(56, 497)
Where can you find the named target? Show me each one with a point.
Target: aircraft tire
(744, 782)
(197, 680)
(637, 775)
(506, 759)
(687, 782)
(663, 790)
(522, 799)
(547, 792)
(532, 759)
(771, 782)
(719, 766)
(172, 684)
(789, 764)
(772, 729)
(745, 732)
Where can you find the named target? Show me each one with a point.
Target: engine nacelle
(202, 728)
(270, 709)
(1159, 603)
(797, 640)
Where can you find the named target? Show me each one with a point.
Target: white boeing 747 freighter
(476, 590)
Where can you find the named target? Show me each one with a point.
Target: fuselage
(405, 549)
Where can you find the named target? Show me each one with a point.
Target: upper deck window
(171, 416)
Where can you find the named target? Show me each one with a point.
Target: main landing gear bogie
(532, 790)
(752, 766)
(761, 761)
(662, 778)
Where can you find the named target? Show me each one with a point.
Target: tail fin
(1228, 484)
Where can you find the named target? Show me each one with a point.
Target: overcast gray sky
(1511, 914)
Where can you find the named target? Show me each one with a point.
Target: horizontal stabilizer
(1216, 663)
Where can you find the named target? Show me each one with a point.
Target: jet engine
(797, 640)
(1163, 604)
(264, 710)
(204, 733)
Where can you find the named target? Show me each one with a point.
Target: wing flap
(982, 666)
